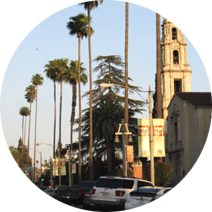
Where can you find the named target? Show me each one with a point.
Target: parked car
(51, 192)
(144, 195)
(42, 187)
(113, 191)
(75, 194)
(87, 203)
(48, 190)
(182, 200)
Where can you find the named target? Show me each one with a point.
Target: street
(42, 208)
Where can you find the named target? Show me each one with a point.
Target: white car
(142, 196)
(181, 200)
(113, 191)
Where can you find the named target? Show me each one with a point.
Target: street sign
(27, 169)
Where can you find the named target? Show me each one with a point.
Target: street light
(149, 101)
(38, 144)
(123, 130)
(69, 155)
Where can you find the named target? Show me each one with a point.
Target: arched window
(174, 34)
(175, 57)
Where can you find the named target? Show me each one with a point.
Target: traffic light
(42, 179)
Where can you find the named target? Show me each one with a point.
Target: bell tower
(175, 72)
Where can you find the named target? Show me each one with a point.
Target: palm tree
(61, 67)
(106, 118)
(89, 6)
(52, 74)
(24, 111)
(71, 76)
(30, 96)
(36, 81)
(78, 26)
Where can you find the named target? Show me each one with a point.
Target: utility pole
(151, 138)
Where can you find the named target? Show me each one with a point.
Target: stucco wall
(193, 125)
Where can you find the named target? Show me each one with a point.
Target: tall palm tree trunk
(91, 99)
(79, 94)
(25, 130)
(74, 97)
(35, 129)
(61, 95)
(28, 145)
(22, 128)
(54, 133)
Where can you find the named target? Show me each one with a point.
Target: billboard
(144, 138)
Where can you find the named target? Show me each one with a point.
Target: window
(174, 34)
(177, 86)
(109, 183)
(141, 184)
(175, 57)
(128, 184)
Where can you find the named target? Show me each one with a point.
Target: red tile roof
(196, 98)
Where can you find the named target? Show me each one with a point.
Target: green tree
(106, 118)
(162, 173)
(30, 96)
(89, 5)
(71, 76)
(24, 111)
(110, 70)
(53, 74)
(79, 26)
(15, 153)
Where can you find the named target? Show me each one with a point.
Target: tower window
(175, 57)
(174, 34)
(177, 86)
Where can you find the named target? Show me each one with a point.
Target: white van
(113, 191)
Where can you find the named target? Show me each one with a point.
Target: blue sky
(49, 34)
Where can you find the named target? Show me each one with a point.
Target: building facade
(188, 122)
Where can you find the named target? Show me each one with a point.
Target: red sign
(143, 130)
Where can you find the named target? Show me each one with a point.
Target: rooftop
(196, 98)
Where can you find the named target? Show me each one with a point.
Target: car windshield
(192, 192)
(153, 190)
(142, 194)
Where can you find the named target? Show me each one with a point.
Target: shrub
(162, 173)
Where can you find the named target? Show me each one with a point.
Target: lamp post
(38, 144)
(106, 85)
(123, 130)
(69, 155)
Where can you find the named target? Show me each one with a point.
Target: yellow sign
(130, 154)
(55, 166)
(144, 138)
(62, 166)
(158, 138)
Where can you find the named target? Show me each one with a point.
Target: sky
(42, 26)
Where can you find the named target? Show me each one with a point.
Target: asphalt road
(42, 208)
